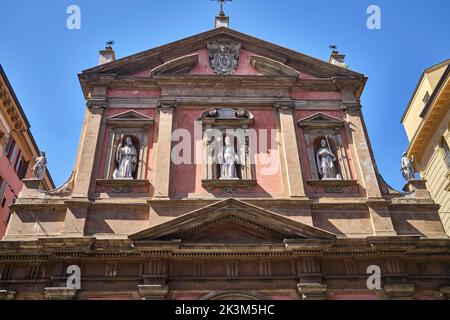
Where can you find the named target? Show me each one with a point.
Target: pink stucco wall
(14, 186)
(315, 95)
(187, 177)
(127, 93)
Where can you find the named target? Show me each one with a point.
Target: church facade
(222, 166)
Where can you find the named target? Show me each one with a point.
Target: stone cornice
(88, 247)
(201, 81)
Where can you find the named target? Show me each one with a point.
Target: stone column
(164, 149)
(89, 147)
(291, 158)
(361, 148)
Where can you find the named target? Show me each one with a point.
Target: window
(21, 167)
(3, 185)
(10, 148)
(446, 150)
(425, 100)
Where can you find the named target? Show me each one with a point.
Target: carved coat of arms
(224, 57)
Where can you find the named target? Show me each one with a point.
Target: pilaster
(381, 219)
(75, 220)
(89, 147)
(291, 158)
(164, 149)
(360, 140)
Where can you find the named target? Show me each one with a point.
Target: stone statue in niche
(40, 166)
(408, 171)
(326, 162)
(227, 161)
(126, 157)
(212, 150)
(224, 57)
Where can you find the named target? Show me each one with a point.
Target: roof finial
(337, 58)
(333, 47)
(222, 14)
(109, 44)
(221, 19)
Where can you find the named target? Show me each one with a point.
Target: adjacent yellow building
(426, 122)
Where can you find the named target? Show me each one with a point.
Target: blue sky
(42, 57)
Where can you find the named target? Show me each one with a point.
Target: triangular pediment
(320, 119)
(130, 117)
(231, 222)
(177, 57)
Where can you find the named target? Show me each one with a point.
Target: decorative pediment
(227, 117)
(177, 66)
(175, 55)
(231, 222)
(271, 67)
(130, 119)
(320, 120)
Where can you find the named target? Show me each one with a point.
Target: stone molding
(153, 291)
(312, 291)
(7, 295)
(60, 293)
(400, 291)
(220, 184)
(122, 183)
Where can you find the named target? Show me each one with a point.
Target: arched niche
(315, 128)
(217, 125)
(128, 124)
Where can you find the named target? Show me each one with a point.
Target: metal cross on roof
(221, 6)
